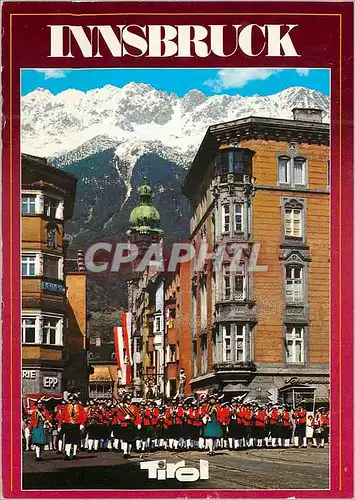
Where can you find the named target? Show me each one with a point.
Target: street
(250, 469)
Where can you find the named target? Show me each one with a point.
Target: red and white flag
(122, 342)
(126, 327)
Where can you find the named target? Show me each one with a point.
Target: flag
(116, 334)
(126, 328)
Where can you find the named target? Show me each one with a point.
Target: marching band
(180, 425)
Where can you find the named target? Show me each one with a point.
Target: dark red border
(326, 41)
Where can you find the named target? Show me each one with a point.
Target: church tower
(144, 220)
(145, 296)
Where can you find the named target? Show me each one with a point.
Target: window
(50, 266)
(203, 297)
(294, 344)
(238, 217)
(50, 207)
(284, 169)
(28, 204)
(240, 343)
(234, 283)
(28, 330)
(28, 262)
(294, 284)
(226, 218)
(172, 353)
(158, 324)
(50, 328)
(52, 235)
(293, 222)
(234, 343)
(299, 170)
(194, 357)
(204, 354)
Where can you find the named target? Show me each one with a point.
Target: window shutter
(39, 264)
(297, 223)
(288, 223)
(39, 204)
(39, 329)
(61, 268)
(59, 332)
(218, 354)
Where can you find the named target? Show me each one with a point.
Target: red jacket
(36, 415)
(73, 414)
(247, 417)
(301, 416)
(207, 408)
(274, 416)
(286, 419)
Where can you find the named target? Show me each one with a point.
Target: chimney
(308, 114)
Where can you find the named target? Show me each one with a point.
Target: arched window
(294, 284)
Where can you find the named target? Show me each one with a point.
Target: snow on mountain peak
(141, 118)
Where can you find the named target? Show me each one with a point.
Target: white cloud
(234, 78)
(303, 71)
(53, 73)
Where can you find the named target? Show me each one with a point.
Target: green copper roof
(145, 218)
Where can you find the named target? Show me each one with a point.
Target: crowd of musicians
(147, 426)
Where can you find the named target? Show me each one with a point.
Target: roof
(252, 127)
(103, 373)
(38, 173)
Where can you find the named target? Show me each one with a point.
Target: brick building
(262, 183)
(53, 300)
(178, 358)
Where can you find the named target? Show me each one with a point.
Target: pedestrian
(212, 418)
(309, 429)
(26, 430)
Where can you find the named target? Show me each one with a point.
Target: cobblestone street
(252, 469)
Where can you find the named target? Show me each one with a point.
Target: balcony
(171, 371)
(151, 347)
(171, 334)
(150, 371)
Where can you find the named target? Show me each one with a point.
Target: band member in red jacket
(40, 421)
(92, 426)
(73, 421)
(58, 418)
(259, 422)
(286, 426)
(274, 424)
(130, 424)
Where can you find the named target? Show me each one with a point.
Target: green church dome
(145, 218)
(146, 214)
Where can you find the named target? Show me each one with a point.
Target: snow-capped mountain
(109, 137)
(73, 124)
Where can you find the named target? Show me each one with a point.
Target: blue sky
(244, 81)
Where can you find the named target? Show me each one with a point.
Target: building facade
(146, 300)
(259, 192)
(51, 302)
